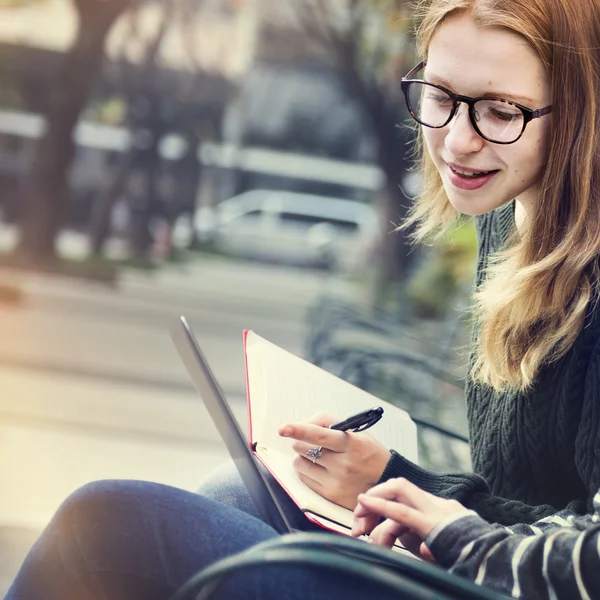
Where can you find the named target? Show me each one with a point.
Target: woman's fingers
(386, 533)
(315, 436)
(309, 468)
(365, 521)
(402, 490)
(361, 511)
(401, 513)
(425, 553)
(404, 502)
(313, 484)
(362, 525)
(302, 448)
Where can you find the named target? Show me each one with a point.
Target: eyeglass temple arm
(414, 70)
(541, 112)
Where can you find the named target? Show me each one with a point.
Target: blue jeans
(225, 485)
(133, 540)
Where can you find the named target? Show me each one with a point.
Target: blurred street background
(241, 162)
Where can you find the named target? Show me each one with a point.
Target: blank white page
(284, 388)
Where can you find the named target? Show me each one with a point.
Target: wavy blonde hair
(532, 305)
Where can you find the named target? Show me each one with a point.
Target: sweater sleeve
(587, 441)
(562, 561)
(473, 492)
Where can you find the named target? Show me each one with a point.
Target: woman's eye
(438, 98)
(502, 115)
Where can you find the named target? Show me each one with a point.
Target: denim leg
(225, 485)
(132, 540)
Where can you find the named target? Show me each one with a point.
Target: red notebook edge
(244, 338)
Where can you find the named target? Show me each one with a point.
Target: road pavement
(92, 388)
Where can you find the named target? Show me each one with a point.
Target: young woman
(508, 99)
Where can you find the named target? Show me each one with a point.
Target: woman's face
(476, 61)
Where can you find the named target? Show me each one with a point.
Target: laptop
(432, 578)
(216, 404)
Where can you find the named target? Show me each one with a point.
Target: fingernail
(370, 541)
(285, 431)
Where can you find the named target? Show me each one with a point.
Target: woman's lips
(468, 183)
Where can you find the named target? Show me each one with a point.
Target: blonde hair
(532, 305)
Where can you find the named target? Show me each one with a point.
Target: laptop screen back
(209, 390)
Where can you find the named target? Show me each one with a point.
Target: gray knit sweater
(536, 453)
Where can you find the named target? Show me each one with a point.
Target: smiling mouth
(471, 174)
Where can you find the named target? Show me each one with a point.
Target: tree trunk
(393, 158)
(104, 205)
(147, 201)
(46, 197)
(396, 251)
(142, 85)
(395, 161)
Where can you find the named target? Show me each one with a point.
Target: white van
(293, 228)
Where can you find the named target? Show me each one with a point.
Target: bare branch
(313, 19)
(187, 10)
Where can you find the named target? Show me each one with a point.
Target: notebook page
(285, 388)
(281, 468)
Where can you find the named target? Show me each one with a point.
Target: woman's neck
(520, 215)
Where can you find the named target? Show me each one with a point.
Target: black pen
(361, 421)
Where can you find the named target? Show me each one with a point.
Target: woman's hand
(352, 463)
(411, 515)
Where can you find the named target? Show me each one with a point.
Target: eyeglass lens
(496, 120)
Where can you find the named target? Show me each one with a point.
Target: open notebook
(283, 388)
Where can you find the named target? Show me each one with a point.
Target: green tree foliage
(444, 279)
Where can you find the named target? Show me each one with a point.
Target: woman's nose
(461, 137)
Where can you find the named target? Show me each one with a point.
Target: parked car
(291, 227)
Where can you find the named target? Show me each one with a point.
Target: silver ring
(314, 454)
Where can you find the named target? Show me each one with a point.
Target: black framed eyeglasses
(496, 120)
